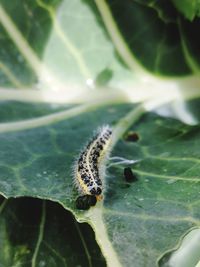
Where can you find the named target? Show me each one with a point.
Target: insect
(90, 167)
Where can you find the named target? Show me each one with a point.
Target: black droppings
(129, 175)
(93, 200)
(132, 137)
(85, 202)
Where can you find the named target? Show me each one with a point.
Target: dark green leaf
(41, 233)
(189, 8)
(152, 32)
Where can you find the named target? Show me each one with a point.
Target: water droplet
(171, 181)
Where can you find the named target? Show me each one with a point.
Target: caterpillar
(90, 166)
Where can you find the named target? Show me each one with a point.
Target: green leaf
(104, 55)
(44, 43)
(188, 32)
(35, 24)
(152, 40)
(41, 233)
(150, 33)
(190, 9)
(15, 111)
(148, 217)
(48, 152)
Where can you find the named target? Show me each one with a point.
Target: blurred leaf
(35, 25)
(15, 111)
(104, 77)
(189, 8)
(43, 41)
(41, 233)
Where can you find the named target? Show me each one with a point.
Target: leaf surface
(190, 9)
(148, 217)
(95, 52)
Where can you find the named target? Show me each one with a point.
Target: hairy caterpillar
(90, 167)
